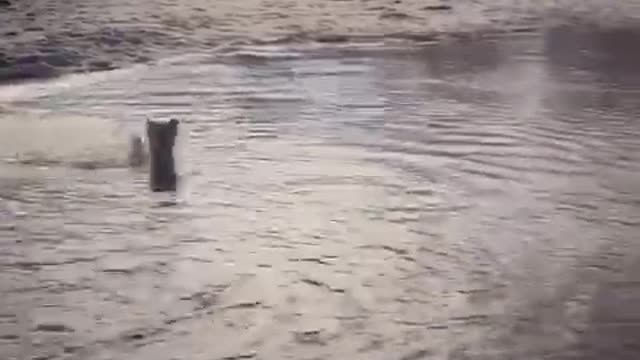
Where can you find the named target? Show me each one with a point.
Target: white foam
(62, 140)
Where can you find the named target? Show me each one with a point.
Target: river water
(475, 197)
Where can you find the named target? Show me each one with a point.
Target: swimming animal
(162, 171)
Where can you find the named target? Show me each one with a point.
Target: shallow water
(452, 200)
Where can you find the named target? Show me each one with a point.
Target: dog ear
(173, 125)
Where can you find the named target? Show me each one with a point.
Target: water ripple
(342, 200)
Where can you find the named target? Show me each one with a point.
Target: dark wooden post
(161, 137)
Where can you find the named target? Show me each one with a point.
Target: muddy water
(453, 200)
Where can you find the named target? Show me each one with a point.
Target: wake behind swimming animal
(138, 153)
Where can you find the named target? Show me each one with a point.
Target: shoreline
(36, 46)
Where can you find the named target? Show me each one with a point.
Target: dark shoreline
(43, 40)
(46, 60)
(45, 63)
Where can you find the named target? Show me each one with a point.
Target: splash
(61, 140)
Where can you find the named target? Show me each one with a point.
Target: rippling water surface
(461, 199)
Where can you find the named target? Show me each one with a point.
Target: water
(461, 199)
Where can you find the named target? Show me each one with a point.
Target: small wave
(262, 53)
(45, 161)
(30, 90)
(22, 72)
(62, 141)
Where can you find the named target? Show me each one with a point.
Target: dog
(161, 137)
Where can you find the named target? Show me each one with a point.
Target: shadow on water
(463, 57)
(609, 52)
